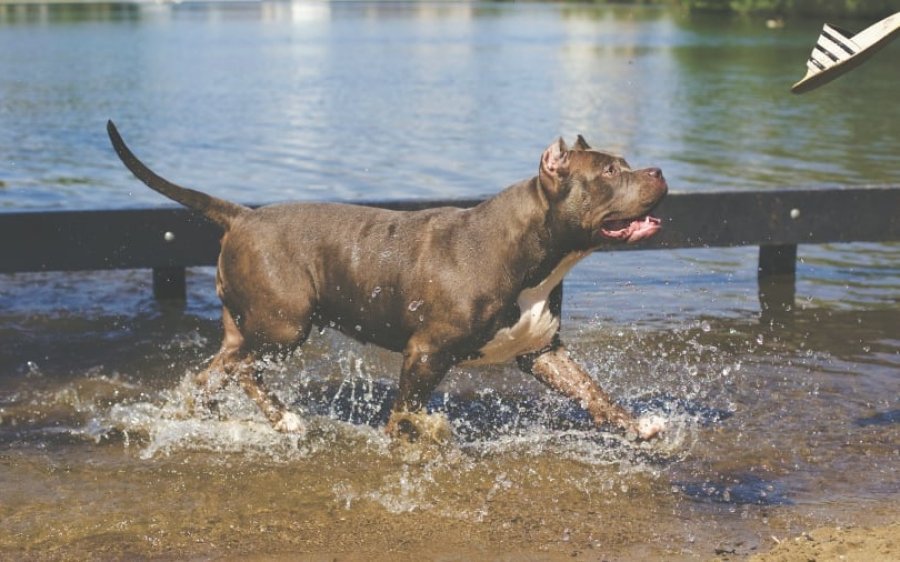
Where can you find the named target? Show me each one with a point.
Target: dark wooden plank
(422, 204)
(123, 239)
(126, 239)
(757, 218)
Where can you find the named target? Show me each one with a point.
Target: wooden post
(776, 277)
(169, 283)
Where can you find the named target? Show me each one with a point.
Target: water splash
(499, 434)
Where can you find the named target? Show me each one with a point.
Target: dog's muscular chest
(537, 324)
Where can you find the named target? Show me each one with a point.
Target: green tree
(857, 8)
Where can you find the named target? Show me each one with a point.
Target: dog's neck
(520, 216)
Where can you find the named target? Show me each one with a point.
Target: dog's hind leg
(218, 372)
(278, 333)
(235, 361)
(271, 406)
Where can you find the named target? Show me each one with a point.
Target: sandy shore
(871, 544)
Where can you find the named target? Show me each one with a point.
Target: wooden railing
(168, 240)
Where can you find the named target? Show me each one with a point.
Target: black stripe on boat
(838, 41)
(817, 63)
(827, 52)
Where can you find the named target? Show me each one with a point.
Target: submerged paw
(289, 423)
(649, 427)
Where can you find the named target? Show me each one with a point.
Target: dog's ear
(554, 168)
(581, 144)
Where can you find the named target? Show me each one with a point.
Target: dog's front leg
(559, 371)
(422, 371)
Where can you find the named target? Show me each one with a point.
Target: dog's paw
(289, 423)
(649, 427)
(419, 426)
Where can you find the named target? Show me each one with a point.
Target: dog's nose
(655, 173)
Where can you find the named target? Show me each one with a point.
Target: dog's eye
(609, 170)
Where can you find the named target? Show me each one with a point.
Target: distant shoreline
(869, 9)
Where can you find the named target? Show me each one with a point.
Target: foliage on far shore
(832, 8)
(857, 8)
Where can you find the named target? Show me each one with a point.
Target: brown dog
(443, 286)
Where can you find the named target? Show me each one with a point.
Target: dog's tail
(217, 210)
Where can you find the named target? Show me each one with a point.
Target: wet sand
(872, 544)
(386, 502)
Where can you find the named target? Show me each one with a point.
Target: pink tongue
(644, 228)
(636, 230)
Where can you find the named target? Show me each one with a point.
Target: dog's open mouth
(631, 230)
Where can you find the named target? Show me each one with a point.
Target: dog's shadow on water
(879, 419)
(736, 489)
(489, 415)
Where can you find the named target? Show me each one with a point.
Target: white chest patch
(537, 325)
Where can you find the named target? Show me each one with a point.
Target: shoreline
(870, 543)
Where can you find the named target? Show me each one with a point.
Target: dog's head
(597, 196)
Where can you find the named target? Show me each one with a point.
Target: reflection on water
(297, 101)
(775, 424)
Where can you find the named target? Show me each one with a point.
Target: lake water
(776, 427)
